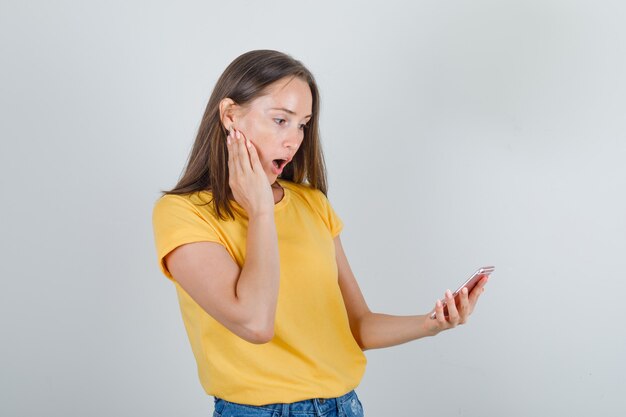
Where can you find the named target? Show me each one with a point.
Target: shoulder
(171, 204)
(198, 198)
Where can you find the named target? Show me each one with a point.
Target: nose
(293, 138)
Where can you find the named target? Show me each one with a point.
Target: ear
(228, 112)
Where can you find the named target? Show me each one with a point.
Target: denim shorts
(348, 405)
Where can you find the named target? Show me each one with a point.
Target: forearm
(376, 330)
(257, 286)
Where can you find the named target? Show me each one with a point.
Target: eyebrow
(288, 111)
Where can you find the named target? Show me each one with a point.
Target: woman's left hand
(459, 309)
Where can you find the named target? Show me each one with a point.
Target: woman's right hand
(247, 179)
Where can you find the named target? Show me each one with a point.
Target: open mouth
(279, 163)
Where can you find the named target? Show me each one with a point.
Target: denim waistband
(315, 406)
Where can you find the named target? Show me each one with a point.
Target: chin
(271, 177)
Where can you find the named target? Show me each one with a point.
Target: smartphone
(470, 284)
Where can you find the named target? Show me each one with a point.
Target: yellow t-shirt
(313, 353)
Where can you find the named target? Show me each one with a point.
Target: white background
(457, 134)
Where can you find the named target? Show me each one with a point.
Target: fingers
(464, 306)
(458, 307)
(239, 161)
(242, 152)
(233, 165)
(254, 157)
(453, 313)
(439, 315)
(477, 291)
(475, 294)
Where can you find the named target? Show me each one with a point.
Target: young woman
(274, 314)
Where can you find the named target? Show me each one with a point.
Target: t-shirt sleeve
(331, 218)
(175, 222)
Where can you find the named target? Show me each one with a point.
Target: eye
(304, 126)
(279, 121)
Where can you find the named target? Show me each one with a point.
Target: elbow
(362, 345)
(359, 327)
(259, 333)
(255, 326)
(260, 337)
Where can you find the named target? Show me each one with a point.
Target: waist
(314, 406)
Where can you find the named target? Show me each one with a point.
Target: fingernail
(448, 293)
(228, 139)
(248, 143)
(238, 135)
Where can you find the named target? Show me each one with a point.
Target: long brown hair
(245, 79)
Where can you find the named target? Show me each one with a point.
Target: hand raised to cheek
(246, 177)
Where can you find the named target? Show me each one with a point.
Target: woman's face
(274, 123)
